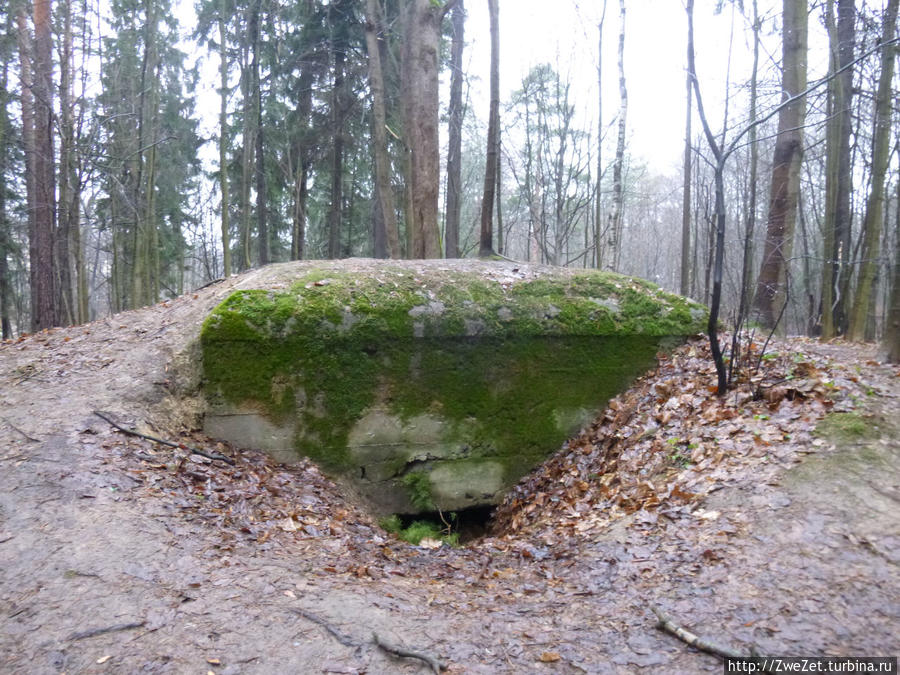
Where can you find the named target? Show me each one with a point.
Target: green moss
(847, 427)
(419, 486)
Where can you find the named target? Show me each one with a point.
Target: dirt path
(194, 567)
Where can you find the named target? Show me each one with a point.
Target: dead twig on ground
(211, 283)
(345, 640)
(395, 650)
(432, 662)
(667, 624)
(15, 428)
(94, 632)
(181, 446)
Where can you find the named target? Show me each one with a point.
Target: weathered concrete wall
(425, 383)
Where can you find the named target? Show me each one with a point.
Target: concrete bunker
(425, 385)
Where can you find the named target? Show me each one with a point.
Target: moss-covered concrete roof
(454, 299)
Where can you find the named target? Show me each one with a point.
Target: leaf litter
(621, 507)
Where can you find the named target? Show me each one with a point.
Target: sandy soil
(109, 565)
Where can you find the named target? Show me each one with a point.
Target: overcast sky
(565, 33)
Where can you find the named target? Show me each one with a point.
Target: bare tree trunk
(498, 199)
(337, 150)
(386, 226)
(247, 144)
(44, 168)
(301, 179)
(809, 291)
(27, 104)
(598, 206)
(223, 139)
(712, 326)
(750, 216)
(892, 324)
(881, 144)
(420, 95)
(262, 226)
(615, 236)
(5, 304)
(152, 228)
(67, 209)
(142, 286)
(838, 176)
(685, 284)
(454, 147)
(771, 290)
(78, 170)
(486, 245)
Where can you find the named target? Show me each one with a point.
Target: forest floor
(768, 519)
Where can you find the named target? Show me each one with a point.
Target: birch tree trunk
(615, 234)
(685, 285)
(301, 178)
(598, 206)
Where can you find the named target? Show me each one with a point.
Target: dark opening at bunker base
(456, 528)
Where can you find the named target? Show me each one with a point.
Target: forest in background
(329, 145)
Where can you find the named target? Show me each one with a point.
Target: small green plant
(681, 460)
(391, 523)
(418, 487)
(419, 530)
